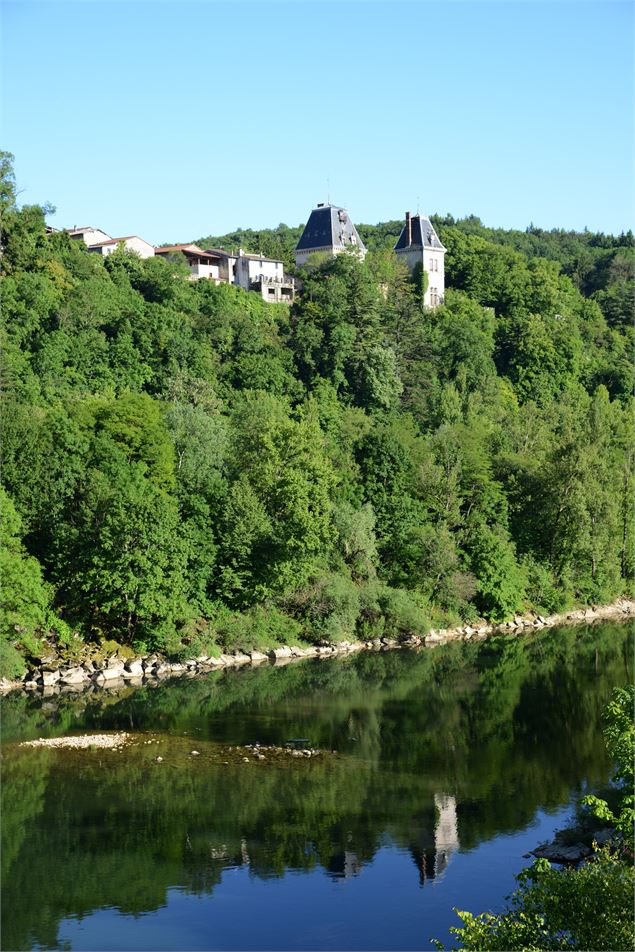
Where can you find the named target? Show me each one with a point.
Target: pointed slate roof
(423, 235)
(329, 227)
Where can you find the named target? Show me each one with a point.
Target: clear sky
(175, 120)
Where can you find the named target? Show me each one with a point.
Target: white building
(329, 230)
(87, 234)
(131, 243)
(419, 244)
(256, 273)
(202, 264)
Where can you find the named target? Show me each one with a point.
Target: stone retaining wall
(52, 677)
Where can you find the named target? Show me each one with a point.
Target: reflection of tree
(459, 743)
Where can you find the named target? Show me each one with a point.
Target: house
(253, 272)
(330, 231)
(87, 234)
(131, 243)
(419, 243)
(202, 264)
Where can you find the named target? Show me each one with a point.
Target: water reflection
(440, 752)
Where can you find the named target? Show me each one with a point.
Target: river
(450, 763)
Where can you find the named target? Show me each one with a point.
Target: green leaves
(620, 742)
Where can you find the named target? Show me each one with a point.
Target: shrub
(403, 615)
(329, 607)
(12, 664)
(261, 627)
(586, 908)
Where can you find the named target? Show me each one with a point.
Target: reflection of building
(433, 854)
(344, 865)
(446, 834)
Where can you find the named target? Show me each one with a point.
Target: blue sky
(174, 120)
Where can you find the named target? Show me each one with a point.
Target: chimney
(409, 228)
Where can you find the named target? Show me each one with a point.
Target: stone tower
(329, 230)
(419, 244)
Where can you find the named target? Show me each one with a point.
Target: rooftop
(422, 234)
(187, 250)
(115, 241)
(329, 226)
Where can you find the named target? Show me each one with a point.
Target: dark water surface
(452, 762)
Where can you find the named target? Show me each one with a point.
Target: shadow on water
(440, 751)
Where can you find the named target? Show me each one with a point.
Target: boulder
(73, 676)
(50, 678)
(112, 671)
(559, 853)
(133, 669)
(162, 669)
(283, 652)
(257, 656)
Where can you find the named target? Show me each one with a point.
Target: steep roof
(329, 227)
(422, 233)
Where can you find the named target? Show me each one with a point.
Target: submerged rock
(559, 853)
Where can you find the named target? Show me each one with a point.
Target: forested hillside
(187, 468)
(601, 266)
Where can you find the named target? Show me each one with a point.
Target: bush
(261, 627)
(542, 591)
(12, 664)
(391, 612)
(328, 606)
(403, 615)
(586, 908)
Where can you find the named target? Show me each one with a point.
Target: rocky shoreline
(52, 676)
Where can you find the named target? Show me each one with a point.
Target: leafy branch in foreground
(586, 908)
(620, 742)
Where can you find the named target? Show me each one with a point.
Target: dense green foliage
(178, 453)
(590, 907)
(620, 741)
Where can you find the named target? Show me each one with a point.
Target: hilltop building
(202, 264)
(419, 244)
(329, 230)
(256, 273)
(87, 234)
(131, 243)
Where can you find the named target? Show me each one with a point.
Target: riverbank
(53, 676)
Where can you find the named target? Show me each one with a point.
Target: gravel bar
(83, 741)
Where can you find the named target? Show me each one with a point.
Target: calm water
(452, 763)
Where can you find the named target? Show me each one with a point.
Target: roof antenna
(417, 204)
(328, 191)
